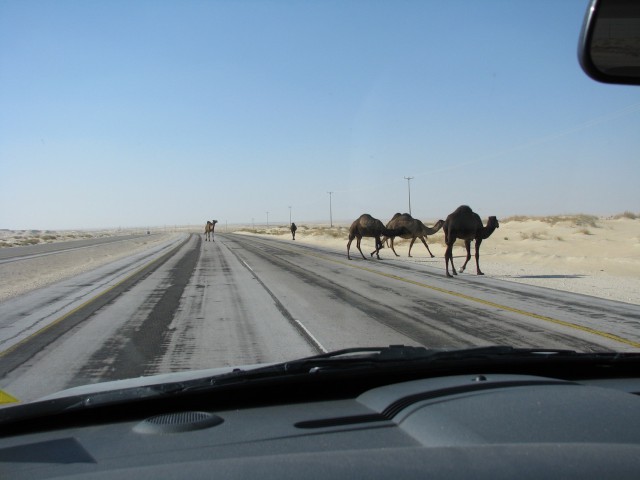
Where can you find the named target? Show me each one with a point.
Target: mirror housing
(609, 48)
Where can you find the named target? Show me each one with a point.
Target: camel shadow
(548, 276)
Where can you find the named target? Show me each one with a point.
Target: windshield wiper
(353, 360)
(401, 354)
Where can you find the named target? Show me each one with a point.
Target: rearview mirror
(609, 49)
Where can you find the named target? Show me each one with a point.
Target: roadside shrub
(627, 214)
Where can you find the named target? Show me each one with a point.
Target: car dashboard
(460, 426)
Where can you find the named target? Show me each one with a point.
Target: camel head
(492, 224)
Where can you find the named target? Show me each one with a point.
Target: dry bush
(578, 220)
(517, 218)
(333, 232)
(28, 241)
(627, 215)
(532, 236)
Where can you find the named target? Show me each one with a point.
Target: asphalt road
(244, 300)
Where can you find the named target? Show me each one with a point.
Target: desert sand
(581, 253)
(578, 253)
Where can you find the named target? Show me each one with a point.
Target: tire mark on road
(137, 346)
(22, 351)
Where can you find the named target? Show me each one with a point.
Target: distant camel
(466, 225)
(208, 230)
(367, 226)
(293, 230)
(414, 229)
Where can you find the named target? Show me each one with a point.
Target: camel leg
(379, 246)
(376, 250)
(478, 242)
(349, 246)
(411, 245)
(392, 246)
(425, 244)
(386, 241)
(448, 257)
(358, 245)
(467, 245)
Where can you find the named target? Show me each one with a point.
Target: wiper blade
(401, 354)
(376, 358)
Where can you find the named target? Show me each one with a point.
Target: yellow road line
(575, 326)
(68, 314)
(83, 305)
(6, 398)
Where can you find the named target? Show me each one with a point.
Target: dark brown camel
(208, 230)
(293, 230)
(367, 226)
(414, 229)
(466, 225)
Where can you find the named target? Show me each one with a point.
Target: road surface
(191, 304)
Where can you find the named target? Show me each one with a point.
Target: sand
(582, 254)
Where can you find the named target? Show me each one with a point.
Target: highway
(190, 304)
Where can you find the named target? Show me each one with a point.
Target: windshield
(188, 185)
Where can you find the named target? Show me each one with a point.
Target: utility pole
(408, 179)
(289, 214)
(330, 211)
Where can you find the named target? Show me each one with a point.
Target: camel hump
(463, 209)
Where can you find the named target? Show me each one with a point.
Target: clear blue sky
(145, 113)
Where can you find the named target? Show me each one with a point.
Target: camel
(414, 229)
(208, 230)
(367, 226)
(466, 225)
(293, 230)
